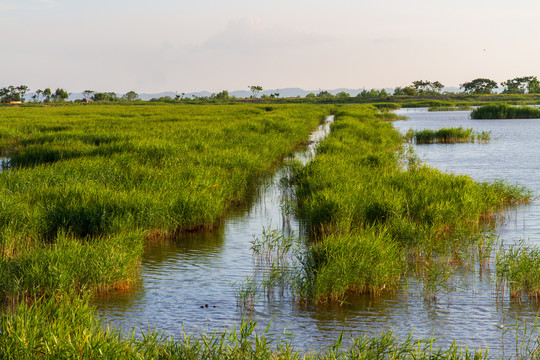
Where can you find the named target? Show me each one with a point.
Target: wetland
(109, 195)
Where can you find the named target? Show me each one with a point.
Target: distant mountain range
(286, 92)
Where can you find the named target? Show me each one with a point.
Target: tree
(60, 95)
(13, 93)
(399, 91)
(87, 94)
(520, 85)
(324, 94)
(179, 97)
(38, 95)
(533, 87)
(222, 96)
(421, 86)
(424, 87)
(479, 86)
(22, 89)
(410, 90)
(255, 89)
(131, 96)
(343, 95)
(47, 93)
(105, 96)
(436, 87)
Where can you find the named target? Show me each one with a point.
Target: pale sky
(185, 46)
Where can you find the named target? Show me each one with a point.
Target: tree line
(480, 86)
(12, 93)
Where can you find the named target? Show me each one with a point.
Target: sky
(210, 45)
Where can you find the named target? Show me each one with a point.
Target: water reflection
(197, 269)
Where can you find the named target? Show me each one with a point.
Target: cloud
(250, 33)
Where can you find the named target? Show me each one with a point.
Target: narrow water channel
(179, 278)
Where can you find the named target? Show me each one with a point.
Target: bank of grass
(380, 212)
(505, 111)
(87, 186)
(461, 107)
(447, 136)
(66, 327)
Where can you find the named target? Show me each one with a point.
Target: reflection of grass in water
(66, 327)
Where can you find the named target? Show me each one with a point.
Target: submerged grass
(518, 270)
(447, 136)
(379, 212)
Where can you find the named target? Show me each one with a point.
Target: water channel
(179, 278)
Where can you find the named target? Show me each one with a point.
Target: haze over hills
(287, 92)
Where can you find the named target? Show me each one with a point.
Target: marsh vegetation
(504, 111)
(89, 187)
(447, 136)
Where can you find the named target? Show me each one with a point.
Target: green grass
(461, 107)
(89, 185)
(85, 181)
(65, 327)
(380, 213)
(447, 136)
(504, 111)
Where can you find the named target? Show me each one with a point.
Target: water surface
(180, 276)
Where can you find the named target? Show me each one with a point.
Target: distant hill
(285, 92)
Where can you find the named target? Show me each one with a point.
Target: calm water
(178, 277)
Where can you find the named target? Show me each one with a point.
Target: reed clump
(447, 136)
(371, 202)
(505, 111)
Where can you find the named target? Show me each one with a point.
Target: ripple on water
(197, 269)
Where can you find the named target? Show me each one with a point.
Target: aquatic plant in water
(375, 216)
(505, 111)
(447, 136)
